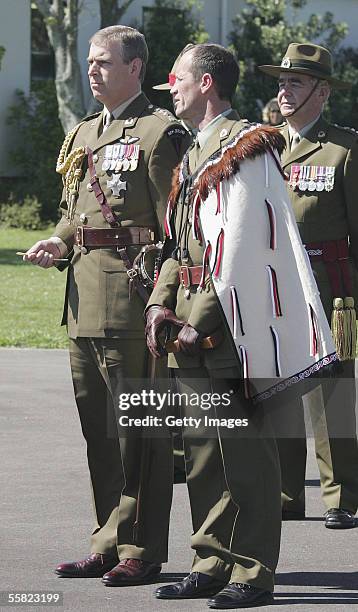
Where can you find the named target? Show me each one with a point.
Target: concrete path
(46, 509)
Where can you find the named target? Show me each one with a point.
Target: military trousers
(234, 487)
(334, 428)
(100, 369)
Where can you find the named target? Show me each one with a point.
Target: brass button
(89, 187)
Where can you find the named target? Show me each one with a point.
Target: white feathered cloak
(258, 265)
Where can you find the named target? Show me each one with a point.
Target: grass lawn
(31, 298)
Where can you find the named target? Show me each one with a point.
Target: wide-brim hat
(309, 59)
(172, 74)
(168, 85)
(171, 78)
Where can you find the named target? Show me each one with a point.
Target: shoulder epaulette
(345, 128)
(62, 165)
(164, 114)
(92, 116)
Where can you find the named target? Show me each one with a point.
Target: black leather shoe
(132, 571)
(337, 518)
(194, 585)
(93, 566)
(238, 595)
(287, 515)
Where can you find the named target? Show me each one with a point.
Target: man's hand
(157, 319)
(43, 253)
(189, 340)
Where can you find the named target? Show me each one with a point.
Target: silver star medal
(116, 185)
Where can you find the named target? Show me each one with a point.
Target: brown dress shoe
(132, 571)
(93, 566)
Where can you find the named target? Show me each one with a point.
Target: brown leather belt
(190, 275)
(92, 237)
(335, 255)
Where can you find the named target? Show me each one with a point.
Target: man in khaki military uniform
(321, 161)
(117, 168)
(235, 509)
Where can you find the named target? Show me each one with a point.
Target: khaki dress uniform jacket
(326, 216)
(106, 329)
(233, 482)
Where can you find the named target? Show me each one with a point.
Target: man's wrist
(61, 245)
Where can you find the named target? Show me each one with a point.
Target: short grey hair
(132, 44)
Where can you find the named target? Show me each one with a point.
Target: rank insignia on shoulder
(346, 128)
(312, 178)
(164, 112)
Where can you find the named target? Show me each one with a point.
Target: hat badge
(286, 63)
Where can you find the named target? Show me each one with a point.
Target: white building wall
(15, 68)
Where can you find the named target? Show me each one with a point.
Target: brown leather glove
(157, 319)
(189, 340)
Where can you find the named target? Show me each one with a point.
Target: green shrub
(35, 122)
(25, 215)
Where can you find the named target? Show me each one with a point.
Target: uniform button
(89, 187)
(83, 218)
(95, 158)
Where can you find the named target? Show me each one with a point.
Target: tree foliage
(168, 26)
(261, 35)
(35, 118)
(61, 21)
(111, 12)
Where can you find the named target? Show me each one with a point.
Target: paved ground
(46, 509)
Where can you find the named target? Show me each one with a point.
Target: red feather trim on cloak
(252, 143)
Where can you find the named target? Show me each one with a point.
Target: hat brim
(275, 71)
(162, 87)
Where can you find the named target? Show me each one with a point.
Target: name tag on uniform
(312, 178)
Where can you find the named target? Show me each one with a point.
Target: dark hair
(132, 44)
(220, 63)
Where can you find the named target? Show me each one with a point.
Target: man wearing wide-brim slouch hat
(321, 160)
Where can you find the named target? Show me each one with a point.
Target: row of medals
(121, 157)
(312, 178)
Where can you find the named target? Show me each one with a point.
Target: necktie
(107, 121)
(194, 155)
(295, 141)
